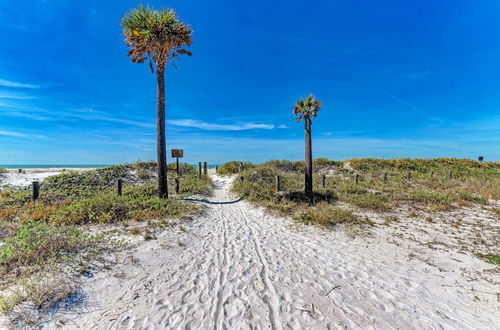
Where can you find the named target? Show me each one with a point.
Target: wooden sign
(177, 153)
(480, 158)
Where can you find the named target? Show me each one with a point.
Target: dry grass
(473, 183)
(49, 235)
(325, 214)
(28, 298)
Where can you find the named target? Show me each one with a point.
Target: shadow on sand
(206, 201)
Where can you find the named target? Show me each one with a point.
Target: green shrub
(431, 197)
(285, 166)
(325, 214)
(137, 203)
(37, 242)
(233, 167)
(491, 258)
(471, 197)
(368, 201)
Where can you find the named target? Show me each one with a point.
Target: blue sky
(396, 79)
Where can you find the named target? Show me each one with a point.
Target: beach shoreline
(13, 176)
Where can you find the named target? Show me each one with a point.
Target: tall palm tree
(307, 108)
(160, 37)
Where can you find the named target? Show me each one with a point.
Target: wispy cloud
(218, 127)
(9, 133)
(4, 95)
(417, 75)
(86, 114)
(15, 84)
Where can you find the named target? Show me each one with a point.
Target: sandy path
(238, 268)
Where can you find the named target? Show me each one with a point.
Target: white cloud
(8, 83)
(9, 133)
(15, 96)
(218, 127)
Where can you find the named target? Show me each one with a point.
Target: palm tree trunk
(308, 158)
(161, 148)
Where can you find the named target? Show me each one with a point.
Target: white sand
(14, 178)
(238, 268)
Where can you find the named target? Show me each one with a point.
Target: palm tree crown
(155, 34)
(306, 108)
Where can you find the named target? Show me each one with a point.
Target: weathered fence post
(119, 185)
(216, 168)
(241, 167)
(432, 174)
(323, 181)
(277, 181)
(450, 175)
(177, 186)
(385, 177)
(241, 179)
(205, 168)
(356, 178)
(35, 190)
(408, 176)
(177, 165)
(199, 170)
(20, 170)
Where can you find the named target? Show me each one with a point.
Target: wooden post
(205, 168)
(216, 168)
(450, 175)
(177, 165)
(20, 170)
(323, 181)
(199, 170)
(177, 186)
(432, 174)
(241, 167)
(35, 190)
(241, 179)
(277, 181)
(385, 177)
(119, 185)
(408, 176)
(356, 178)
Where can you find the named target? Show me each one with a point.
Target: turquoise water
(52, 166)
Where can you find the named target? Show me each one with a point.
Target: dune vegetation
(54, 232)
(383, 185)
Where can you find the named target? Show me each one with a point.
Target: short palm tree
(307, 108)
(160, 37)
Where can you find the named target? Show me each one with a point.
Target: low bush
(325, 214)
(430, 197)
(37, 242)
(368, 201)
(491, 258)
(233, 167)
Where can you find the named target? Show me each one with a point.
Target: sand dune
(239, 268)
(14, 178)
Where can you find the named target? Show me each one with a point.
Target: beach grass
(51, 234)
(429, 185)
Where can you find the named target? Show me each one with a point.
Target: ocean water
(52, 166)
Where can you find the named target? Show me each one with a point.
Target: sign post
(177, 153)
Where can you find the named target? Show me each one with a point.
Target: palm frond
(155, 34)
(306, 107)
